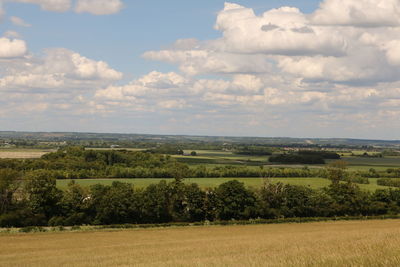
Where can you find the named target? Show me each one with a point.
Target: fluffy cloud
(10, 48)
(151, 86)
(286, 40)
(358, 13)
(393, 52)
(50, 5)
(60, 69)
(19, 22)
(272, 72)
(284, 31)
(99, 7)
(202, 60)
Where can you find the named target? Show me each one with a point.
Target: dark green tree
(155, 207)
(43, 196)
(9, 183)
(235, 201)
(119, 205)
(75, 204)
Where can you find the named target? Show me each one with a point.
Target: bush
(393, 182)
(30, 229)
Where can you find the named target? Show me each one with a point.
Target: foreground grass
(352, 243)
(314, 183)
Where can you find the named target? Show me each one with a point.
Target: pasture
(345, 243)
(314, 183)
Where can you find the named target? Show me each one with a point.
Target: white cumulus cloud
(284, 31)
(59, 69)
(99, 7)
(359, 13)
(10, 48)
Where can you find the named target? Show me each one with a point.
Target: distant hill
(149, 138)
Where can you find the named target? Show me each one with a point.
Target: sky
(298, 68)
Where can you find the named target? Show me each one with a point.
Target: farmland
(23, 153)
(314, 183)
(351, 243)
(162, 184)
(212, 158)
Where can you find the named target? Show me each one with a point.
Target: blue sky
(255, 68)
(120, 39)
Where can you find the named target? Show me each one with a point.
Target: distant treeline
(253, 150)
(166, 149)
(38, 202)
(304, 157)
(78, 163)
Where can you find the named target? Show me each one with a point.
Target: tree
(177, 200)
(118, 205)
(235, 201)
(195, 208)
(43, 196)
(271, 200)
(336, 171)
(75, 204)
(155, 203)
(348, 199)
(9, 183)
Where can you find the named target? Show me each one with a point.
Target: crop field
(376, 163)
(22, 153)
(314, 183)
(215, 158)
(348, 243)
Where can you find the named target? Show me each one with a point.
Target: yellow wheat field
(22, 154)
(354, 243)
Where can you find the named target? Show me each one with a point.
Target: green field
(379, 164)
(314, 183)
(214, 158)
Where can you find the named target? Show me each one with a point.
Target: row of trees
(304, 157)
(78, 163)
(389, 182)
(37, 201)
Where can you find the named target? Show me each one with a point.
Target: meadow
(345, 243)
(314, 183)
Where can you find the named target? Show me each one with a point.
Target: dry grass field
(22, 154)
(351, 243)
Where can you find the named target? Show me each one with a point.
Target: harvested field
(22, 154)
(351, 243)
